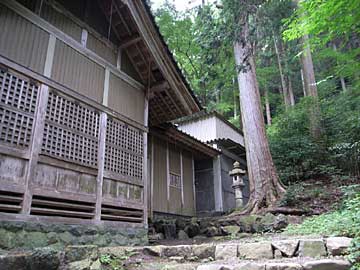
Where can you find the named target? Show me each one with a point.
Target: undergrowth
(344, 221)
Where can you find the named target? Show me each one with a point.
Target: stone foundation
(30, 235)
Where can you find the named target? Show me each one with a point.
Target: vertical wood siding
(175, 167)
(74, 70)
(125, 99)
(188, 208)
(22, 41)
(174, 156)
(101, 49)
(160, 177)
(60, 21)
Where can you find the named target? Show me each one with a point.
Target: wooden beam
(130, 41)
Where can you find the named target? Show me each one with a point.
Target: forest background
(199, 40)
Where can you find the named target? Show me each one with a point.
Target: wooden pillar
(167, 176)
(38, 127)
(145, 163)
(193, 181)
(152, 177)
(217, 184)
(182, 179)
(35, 148)
(101, 162)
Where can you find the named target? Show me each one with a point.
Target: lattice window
(18, 99)
(71, 131)
(124, 149)
(175, 180)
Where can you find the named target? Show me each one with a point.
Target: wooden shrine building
(81, 82)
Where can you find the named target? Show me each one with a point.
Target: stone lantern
(238, 183)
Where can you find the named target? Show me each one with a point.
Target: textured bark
(303, 82)
(342, 80)
(282, 77)
(265, 186)
(311, 88)
(267, 108)
(291, 92)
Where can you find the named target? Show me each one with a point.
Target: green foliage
(343, 222)
(298, 156)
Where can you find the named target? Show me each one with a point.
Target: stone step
(262, 250)
(320, 264)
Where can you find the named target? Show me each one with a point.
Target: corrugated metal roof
(204, 114)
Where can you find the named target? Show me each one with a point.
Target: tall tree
(265, 186)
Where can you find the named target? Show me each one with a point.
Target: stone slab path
(291, 253)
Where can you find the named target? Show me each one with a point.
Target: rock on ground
(313, 248)
(255, 251)
(327, 265)
(338, 245)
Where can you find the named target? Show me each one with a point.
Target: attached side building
(214, 192)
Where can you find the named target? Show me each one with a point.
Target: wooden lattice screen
(65, 178)
(71, 131)
(124, 149)
(18, 99)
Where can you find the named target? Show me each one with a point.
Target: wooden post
(145, 163)
(35, 148)
(167, 175)
(193, 178)
(182, 178)
(152, 178)
(101, 162)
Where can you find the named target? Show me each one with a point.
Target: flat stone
(224, 252)
(204, 251)
(178, 259)
(313, 248)
(327, 265)
(255, 251)
(283, 266)
(178, 267)
(96, 265)
(338, 245)
(249, 266)
(286, 247)
(215, 267)
(171, 251)
(80, 265)
(156, 251)
(79, 253)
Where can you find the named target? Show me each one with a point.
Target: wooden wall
(78, 72)
(159, 181)
(62, 153)
(126, 99)
(77, 63)
(170, 159)
(22, 41)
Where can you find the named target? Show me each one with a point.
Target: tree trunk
(283, 83)
(311, 88)
(267, 108)
(265, 186)
(342, 80)
(291, 93)
(303, 82)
